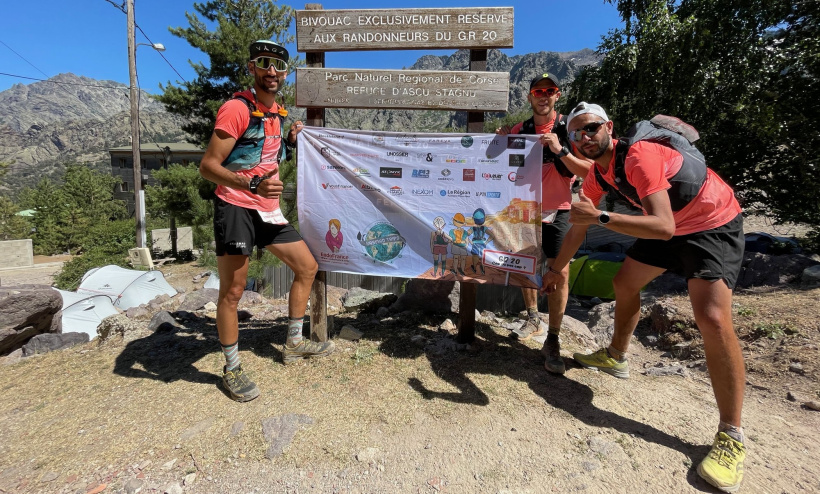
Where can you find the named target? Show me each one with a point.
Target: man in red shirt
(697, 234)
(246, 210)
(557, 175)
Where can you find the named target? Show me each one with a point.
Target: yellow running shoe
(603, 362)
(723, 466)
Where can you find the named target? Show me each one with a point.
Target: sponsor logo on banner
(445, 175)
(337, 186)
(333, 168)
(492, 176)
(367, 188)
(469, 175)
(452, 159)
(361, 172)
(490, 195)
(381, 242)
(517, 160)
(514, 177)
(489, 142)
(388, 172)
(429, 158)
(467, 141)
(516, 142)
(396, 190)
(417, 191)
(487, 161)
(406, 139)
(378, 140)
(456, 193)
(330, 136)
(398, 154)
(364, 155)
(421, 173)
(329, 151)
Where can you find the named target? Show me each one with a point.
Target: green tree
(12, 227)
(744, 73)
(178, 198)
(237, 24)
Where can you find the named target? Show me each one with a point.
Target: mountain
(74, 119)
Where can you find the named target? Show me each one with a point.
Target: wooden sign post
(476, 91)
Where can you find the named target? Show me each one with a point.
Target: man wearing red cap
(246, 209)
(557, 175)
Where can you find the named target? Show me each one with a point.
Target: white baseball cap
(584, 107)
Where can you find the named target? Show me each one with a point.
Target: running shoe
(723, 466)
(603, 362)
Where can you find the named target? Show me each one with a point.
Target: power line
(63, 83)
(121, 8)
(24, 58)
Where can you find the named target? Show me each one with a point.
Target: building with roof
(153, 156)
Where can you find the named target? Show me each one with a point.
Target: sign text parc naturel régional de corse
(404, 29)
(402, 89)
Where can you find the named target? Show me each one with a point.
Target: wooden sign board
(404, 29)
(402, 89)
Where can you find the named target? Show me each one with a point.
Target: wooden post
(318, 292)
(467, 294)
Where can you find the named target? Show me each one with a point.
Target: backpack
(247, 152)
(559, 128)
(670, 132)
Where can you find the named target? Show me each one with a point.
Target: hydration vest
(559, 128)
(247, 152)
(672, 133)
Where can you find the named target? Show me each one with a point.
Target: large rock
(811, 277)
(199, 299)
(427, 296)
(49, 342)
(765, 270)
(120, 327)
(602, 323)
(26, 311)
(577, 333)
(359, 299)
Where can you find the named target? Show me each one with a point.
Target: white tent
(82, 313)
(125, 287)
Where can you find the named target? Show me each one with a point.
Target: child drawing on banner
(479, 234)
(458, 235)
(334, 237)
(438, 245)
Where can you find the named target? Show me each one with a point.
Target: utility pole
(139, 197)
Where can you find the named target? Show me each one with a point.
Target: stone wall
(16, 253)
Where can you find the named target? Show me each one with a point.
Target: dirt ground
(387, 414)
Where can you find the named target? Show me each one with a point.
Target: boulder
(811, 277)
(576, 333)
(120, 327)
(359, 299)
(162, 321)
(49, 342)
(765, 270)
(26, 311)
(334, 296)
(199, 299)
(602, 323)
(429, 297)
(251, 298)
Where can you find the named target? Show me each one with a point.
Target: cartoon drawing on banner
(479, 234)
(458, 235)
(382, 242)
(334, 237)
(438, 245)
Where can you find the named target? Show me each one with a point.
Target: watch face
(603, 218)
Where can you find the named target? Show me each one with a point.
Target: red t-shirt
(233, 118)
(648, 167)
(555, 189)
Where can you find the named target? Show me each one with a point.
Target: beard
(261, 84)
(599, 149)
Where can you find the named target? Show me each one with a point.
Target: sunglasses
(586, 130)
(264, 63)
(542, 92)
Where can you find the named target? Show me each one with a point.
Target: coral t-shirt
(233, 118)
(648, 167)
(556, 190)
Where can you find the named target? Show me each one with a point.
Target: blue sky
(88, 37)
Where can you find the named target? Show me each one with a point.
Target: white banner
(438, 206)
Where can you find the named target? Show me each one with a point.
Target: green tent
(591, 275)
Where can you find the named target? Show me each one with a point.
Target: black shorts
(714, 254)
(237, 230)
(552, 234)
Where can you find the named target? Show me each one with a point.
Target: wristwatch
(254, 185)
(603, 218)
(564, 151)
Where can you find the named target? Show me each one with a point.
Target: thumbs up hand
(270, 188)
(583, 212)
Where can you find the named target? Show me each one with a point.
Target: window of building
(124, 186)
(122, 162)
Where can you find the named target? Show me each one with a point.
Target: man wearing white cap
(692, 225)
(243, 158)
(558, 172)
